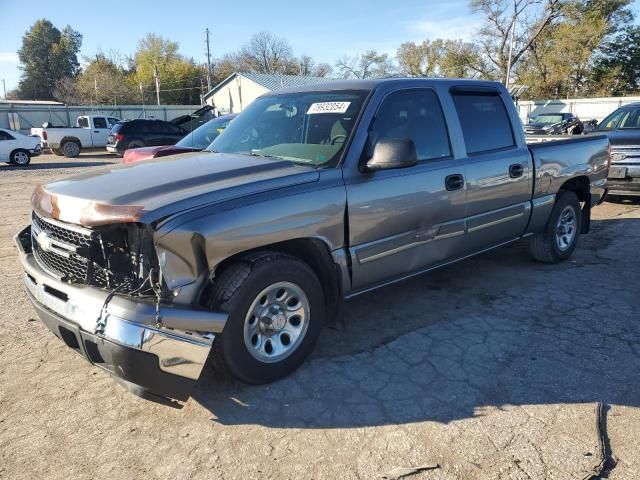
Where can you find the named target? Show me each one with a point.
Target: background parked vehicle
(315, 194)
(194, 141)
(143, 133)
(90, 131)
(195, 119)
(17, 148)
(553, 124)
(623, 129)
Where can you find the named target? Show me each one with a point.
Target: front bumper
(36, 151)
(151, 360)
(626, 182)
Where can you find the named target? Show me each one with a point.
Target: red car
(195, 141)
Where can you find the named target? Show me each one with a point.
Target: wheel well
(70, 139)
(580, 186)
(314, 253)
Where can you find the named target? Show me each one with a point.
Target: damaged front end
(101, 290)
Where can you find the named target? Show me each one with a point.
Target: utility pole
(157, 79)
(4, 87)
(208, 63)
(513, 37)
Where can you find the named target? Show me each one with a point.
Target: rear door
(100, 132)
(405, 220)
(498, 165)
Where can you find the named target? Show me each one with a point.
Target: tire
(57, 152)
(70, 149)
(558, 240)
(240, 290)
(21, 158)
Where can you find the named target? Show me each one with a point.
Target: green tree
(47, 55)
(617, 66)
(104, 82)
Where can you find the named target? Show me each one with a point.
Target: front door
(405, 220)
(499, 171)
(100, 132)
(7, 144)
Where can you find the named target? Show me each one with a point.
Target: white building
(239, 89)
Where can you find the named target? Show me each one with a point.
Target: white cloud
(8, 57)
(452, 28)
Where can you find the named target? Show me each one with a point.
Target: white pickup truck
(90, 131)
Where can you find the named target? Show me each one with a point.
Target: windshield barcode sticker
(328, 107)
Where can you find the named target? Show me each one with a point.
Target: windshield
(305, 127)
(202, 136)
(546, 119)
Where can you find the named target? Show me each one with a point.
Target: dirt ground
(494, 368)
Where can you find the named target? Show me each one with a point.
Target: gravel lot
(494, 368)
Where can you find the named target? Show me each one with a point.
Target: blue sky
(324, 29)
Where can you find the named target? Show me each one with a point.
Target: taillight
(119, 137)
(44, 134)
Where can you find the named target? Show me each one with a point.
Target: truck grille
(60, 250)
(66, 253)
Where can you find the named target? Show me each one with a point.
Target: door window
(99, 122)
(83, 122)
(5, 136)
(485, 122)
(416, 115)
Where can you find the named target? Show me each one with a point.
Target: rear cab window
(83, 122)
(485, 122)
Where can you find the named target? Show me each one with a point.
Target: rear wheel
(275, 304)
(20, 158)
(560, 237)
(70, 149)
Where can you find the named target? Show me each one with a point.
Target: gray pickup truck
(242, 252)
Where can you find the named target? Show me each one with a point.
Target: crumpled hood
(149, 190)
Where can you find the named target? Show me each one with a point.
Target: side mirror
(393, 153)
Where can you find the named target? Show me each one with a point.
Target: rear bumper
(114, 149)
(151, 360)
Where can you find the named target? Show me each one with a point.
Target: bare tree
(266, 53)
(522, 20)
(370, 64)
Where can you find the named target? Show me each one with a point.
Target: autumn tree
(179, 77)
(442, 58)
(47, 55)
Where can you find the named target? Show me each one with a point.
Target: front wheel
(560, 237)
(275, 304)
(20, 158)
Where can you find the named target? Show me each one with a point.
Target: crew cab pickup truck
(241, 252)
(90, 131)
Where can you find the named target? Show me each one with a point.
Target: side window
(612, 121)
(632, 120)
(99, 122)
(83, 122)
(485, 122)
(415, 114)
(5, 136)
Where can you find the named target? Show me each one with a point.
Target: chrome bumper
(72, 312)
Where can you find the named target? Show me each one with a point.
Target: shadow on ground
(52, 165)
(496, 330)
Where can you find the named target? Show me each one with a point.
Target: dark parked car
(553, 124)
(195, 141)
(623, 129)
(143, 133)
